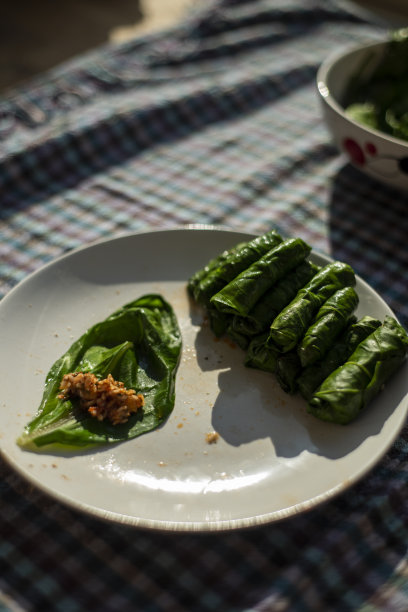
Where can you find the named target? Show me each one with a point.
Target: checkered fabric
(215, 121)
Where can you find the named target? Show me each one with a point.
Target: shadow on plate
(252, 406)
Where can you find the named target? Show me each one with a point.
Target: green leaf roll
(242, 340)
(260, 356)
(242, 293)
(219, 321)
(237, 260)
(140, 345)
(213, 264)
(273, 301)
(288, 368)
(312, 376)
(350, 388)
(329, 322)
(291, 324)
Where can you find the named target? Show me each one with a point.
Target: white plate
(271, 461)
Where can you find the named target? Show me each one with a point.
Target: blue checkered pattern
(216, 121)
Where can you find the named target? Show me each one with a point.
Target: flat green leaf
(140, 345)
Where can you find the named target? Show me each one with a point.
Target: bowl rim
(325, 94)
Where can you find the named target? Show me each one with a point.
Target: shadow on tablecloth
(368, 228)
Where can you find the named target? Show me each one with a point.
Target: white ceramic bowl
(375, 153)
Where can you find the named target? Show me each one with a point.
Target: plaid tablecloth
(216, 121)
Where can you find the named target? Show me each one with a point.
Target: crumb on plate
(212, 437)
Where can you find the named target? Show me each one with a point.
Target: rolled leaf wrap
(214, 263)
(242, 293)
(219, 321)
(291, 324)
(273, 301)
(237, 260)
(242, 340)
(330, 321)
(288, 368)
(260, 356)
(312, 376)
(348, 390)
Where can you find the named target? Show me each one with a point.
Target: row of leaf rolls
(297, 320)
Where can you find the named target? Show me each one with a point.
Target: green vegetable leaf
(140, 345)
(364, 113)
(377, 94)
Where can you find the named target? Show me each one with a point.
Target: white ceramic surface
(271, 460)
(375, 153)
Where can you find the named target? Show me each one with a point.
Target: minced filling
(102, 399)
